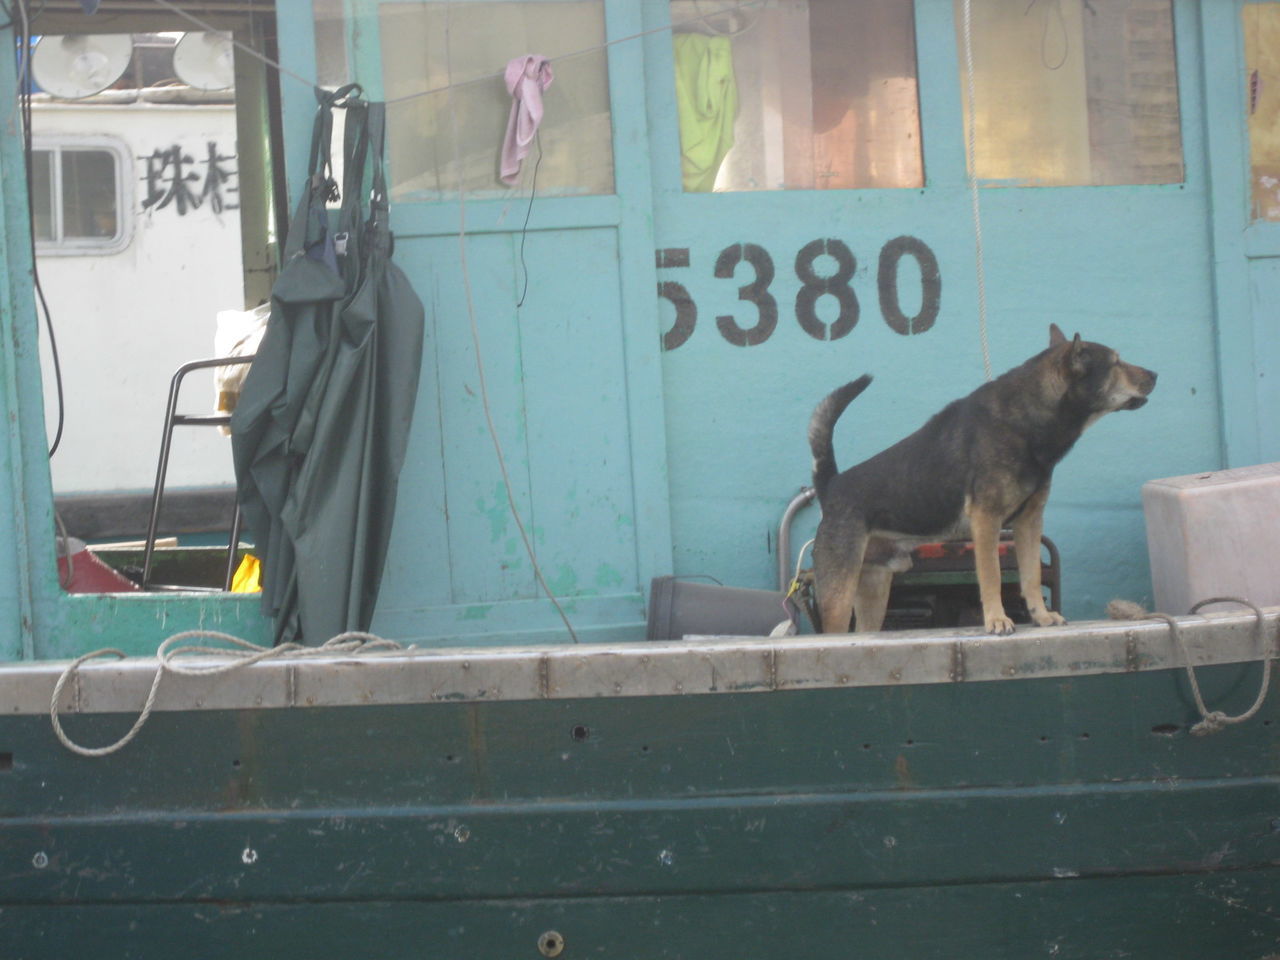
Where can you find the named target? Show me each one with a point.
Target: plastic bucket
(681, 608)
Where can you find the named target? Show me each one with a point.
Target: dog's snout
(1138, 384)
(1142, 379)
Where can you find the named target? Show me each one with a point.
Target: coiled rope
(243, 653)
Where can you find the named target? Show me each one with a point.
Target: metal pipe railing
(785, 560)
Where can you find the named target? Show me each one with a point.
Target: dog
(982, 463)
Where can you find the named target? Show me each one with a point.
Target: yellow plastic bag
(248, 576)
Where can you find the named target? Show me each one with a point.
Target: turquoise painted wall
(628, 461)
(1128, 266)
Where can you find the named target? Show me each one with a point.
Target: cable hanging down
(20, 17)
(971, 153)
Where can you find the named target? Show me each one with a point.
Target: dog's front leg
(984, 527)
(1027, 528)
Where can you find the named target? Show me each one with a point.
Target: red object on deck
(91, 575)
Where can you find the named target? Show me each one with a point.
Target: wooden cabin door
(1242, 94)
(798, 246)
(1258, 91)
(536, 459)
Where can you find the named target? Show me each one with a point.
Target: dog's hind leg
(837, 563)
(984, 528)
(880, 561)
(1027, 527)
(871, 598)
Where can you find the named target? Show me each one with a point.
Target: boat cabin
(728, 210)
(637, 282)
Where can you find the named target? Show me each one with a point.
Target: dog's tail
(821, 425)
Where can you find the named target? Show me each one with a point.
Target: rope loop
(243, 653)
(1215, 721)
(67, 674)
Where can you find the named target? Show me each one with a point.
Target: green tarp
(320, 431)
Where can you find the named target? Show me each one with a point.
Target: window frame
(920, 69)
(62, 246)
(1176, 49)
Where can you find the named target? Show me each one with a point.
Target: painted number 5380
(753, 262)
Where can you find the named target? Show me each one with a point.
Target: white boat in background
(138, 200)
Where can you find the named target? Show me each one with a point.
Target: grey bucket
(680, 608)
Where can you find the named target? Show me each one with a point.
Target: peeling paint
(498, 512)
(607, 576)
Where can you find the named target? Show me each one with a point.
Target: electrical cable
(524, 230)
(209, 28)
(23, 17)
(6, 6)
(1044, 36)
(596, 48)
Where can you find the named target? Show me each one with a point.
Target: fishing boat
(558, 736)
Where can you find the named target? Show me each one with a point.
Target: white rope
(1211, 721)
(800, 558)
(351, 643)
(971, 151)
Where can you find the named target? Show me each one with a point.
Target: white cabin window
(1072, 92)
(78, 196)
(796, 94)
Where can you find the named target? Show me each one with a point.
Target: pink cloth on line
(527, 77)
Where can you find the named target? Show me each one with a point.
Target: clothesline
(498, 75)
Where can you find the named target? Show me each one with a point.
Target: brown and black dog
(983, 462)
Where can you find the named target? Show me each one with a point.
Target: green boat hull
(1002, 806)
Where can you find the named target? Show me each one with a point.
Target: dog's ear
(1055, 335)
(1075, 355)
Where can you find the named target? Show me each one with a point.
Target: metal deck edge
(667, 668)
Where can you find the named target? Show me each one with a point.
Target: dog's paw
(998, 624)
(1047, 618)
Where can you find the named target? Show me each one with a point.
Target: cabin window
(1262, 60)
(440, 142)
(796, 94)
(78, 197)
(1072, 92)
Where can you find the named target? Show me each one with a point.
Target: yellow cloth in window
(707, 99)
(248, 576)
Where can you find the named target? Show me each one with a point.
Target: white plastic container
(1214, 534)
